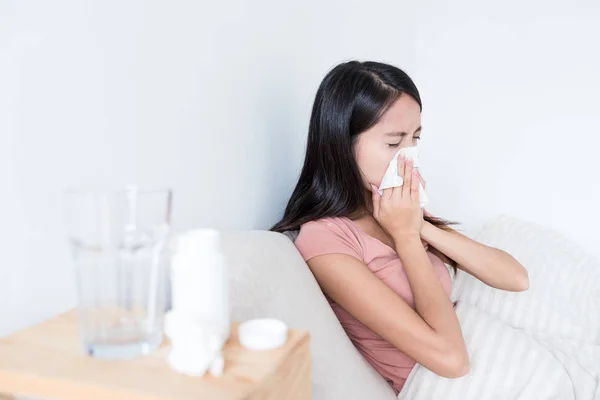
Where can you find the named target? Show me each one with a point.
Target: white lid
(262, 334)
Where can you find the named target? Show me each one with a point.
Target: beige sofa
(269, 278)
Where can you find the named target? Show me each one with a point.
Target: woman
(378, 259)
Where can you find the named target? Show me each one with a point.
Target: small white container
(262, 334)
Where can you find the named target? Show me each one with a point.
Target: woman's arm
(431, 301)
(492, 266)
(431, 335)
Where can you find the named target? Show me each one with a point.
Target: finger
(401, 161)
(414, 187)
(387, 193)
(376, 199)
(408, 179)
(401, 168)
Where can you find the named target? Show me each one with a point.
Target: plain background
(213, 100)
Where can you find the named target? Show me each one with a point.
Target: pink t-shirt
(342, 236)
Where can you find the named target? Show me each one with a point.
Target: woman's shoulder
(327, 236)
(328, 224)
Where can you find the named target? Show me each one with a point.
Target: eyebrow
(403, 133)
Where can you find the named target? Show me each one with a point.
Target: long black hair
(351, 99)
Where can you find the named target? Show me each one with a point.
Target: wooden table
(46, 361)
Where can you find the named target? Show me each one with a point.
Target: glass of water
(118, 240)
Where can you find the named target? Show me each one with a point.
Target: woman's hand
(398, 210)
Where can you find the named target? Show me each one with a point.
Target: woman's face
(399, 127)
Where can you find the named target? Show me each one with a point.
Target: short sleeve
(317, 238)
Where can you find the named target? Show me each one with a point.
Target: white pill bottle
(199, 321)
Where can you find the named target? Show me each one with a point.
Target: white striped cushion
(564, 298)
(505, 364)
(540, 344)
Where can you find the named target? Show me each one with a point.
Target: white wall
(512, 111)
(213, 100)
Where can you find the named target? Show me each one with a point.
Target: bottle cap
(262, 334)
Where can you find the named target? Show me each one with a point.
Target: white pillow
(505, 364)
(564, 298)
(539, 344)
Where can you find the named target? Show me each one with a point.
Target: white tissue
(216, 367)
(391, 178)
(195, 345)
